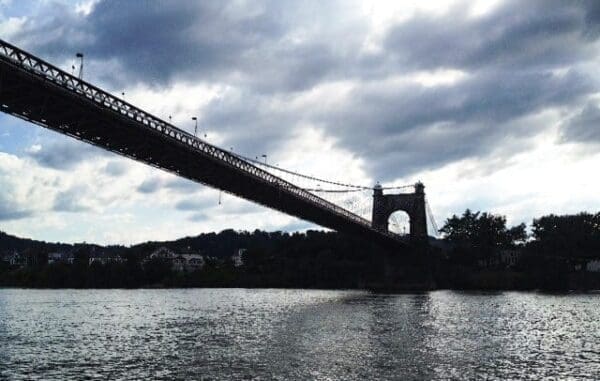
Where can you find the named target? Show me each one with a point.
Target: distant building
(69, 258)
(179, 262)
(4, 257)
(593, 266)
(510, 258)
(504, 258)
(188, 262)
(162, 253)
(15, 259)
(237, 258)
(105, 260)
(57, 257)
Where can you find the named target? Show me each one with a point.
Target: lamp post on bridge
(265, 157)
(195, 119)
(80, 56)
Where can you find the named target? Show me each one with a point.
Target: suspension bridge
(40, 93)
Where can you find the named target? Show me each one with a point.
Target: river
(296, 334)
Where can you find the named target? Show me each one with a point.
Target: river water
(296, 334)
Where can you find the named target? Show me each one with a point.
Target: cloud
(150, 185)
(72, 200)
(193, 204)
(9, 211)
(269, 55)
(535, 34)
(407, 128)
(250, 123)
(199, 217)
(182, 185)
(23, 189)
(169, 183)
(322, 88)
(262, 44)
(63, 154)
(584, 127)
(115, 168)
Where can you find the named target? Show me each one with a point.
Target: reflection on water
(296, 334)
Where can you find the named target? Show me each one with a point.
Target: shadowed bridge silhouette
(40, 93)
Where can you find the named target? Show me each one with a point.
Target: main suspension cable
(358, 187)
(320, 190)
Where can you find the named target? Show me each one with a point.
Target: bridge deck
(34, 90)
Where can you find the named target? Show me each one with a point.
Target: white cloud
(11, 25)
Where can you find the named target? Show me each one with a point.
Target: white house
(15, 259)
(162, 253)
(179, 262)
(237, 258)
(506, 258)
(188, 262)
(105, 260)
(509, 258)
(593, 266)
(57, 257)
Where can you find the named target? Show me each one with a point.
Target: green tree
(478, 234)
(569, 235)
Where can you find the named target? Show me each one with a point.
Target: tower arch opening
(399, 222)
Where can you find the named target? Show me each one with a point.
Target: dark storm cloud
(583, 127)
(511, 57)
(249, 123)
(160, 41)
(533, 34)
(63, 154)
(427, 127)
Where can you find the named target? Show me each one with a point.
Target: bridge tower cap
(419, 187)
(377, 186)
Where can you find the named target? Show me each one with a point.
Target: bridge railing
(49, 72)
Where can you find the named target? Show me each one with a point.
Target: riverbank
(395, 280)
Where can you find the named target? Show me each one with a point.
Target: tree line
(553, 254)
(549, 253)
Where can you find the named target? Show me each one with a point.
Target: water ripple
(296, 334)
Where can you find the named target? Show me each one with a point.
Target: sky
(493, 105)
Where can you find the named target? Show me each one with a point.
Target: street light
(265, 156)
(80, 56)
(195, 119)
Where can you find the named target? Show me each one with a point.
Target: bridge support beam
(411, 203)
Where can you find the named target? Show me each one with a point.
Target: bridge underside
(30, 97)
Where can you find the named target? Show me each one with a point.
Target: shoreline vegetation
(477, 252)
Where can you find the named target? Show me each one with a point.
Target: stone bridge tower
(411, 203)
